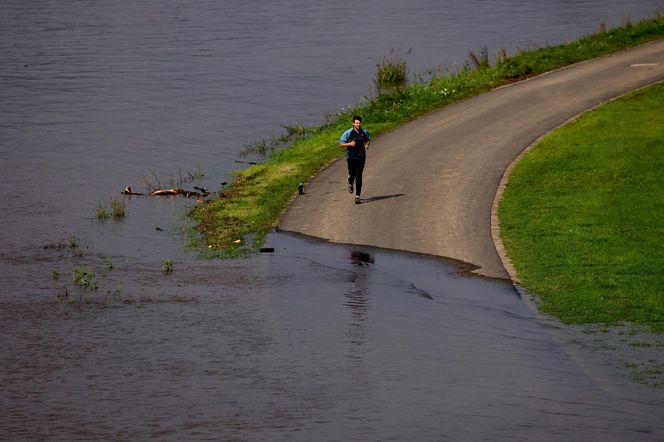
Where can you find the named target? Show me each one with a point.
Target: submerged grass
(391, 72)
(581, 217)
(118, 208)
(102, 213)
(238, 222)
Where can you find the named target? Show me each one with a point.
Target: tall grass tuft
(501, 55)
(480, 61)
(152, 182)
(102, 213)
(602, 27)
(117, 207)
(391, 71)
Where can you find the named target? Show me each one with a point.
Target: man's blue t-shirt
(361, 137)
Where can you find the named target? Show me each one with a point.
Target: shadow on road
(381, 197)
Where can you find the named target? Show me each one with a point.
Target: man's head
(357, 122)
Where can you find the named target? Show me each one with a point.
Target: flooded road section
(311, 342)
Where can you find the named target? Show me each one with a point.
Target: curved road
(430, 184)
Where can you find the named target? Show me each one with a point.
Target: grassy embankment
(582, 217)
(240, 221)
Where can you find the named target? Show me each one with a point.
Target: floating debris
(127, 191)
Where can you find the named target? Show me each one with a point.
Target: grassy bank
(582, 217)
(240, 220)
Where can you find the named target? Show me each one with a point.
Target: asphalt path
(430, 185)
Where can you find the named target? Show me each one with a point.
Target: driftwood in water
(161, 192)
(202, 193)
(166, 192)
(185, 193)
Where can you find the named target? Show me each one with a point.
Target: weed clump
(117, 207)
(167, 265)
(481, 60)
(84, 277)
(391, 71)
(102, 213)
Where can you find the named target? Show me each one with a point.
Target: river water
(313, 341)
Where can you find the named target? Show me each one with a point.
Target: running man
(356, 141)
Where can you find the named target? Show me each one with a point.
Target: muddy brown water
(313, 341)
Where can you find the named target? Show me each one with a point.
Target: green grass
(582, 217)
(258, 194)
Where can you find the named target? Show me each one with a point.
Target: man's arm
(343, 141)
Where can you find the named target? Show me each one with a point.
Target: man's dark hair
(357, 117)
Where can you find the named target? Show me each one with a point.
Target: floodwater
(313, 341)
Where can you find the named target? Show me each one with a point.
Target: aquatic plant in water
(117, 207)
(102, 213)
(167, 265)
(84, 277)
(391, 71)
